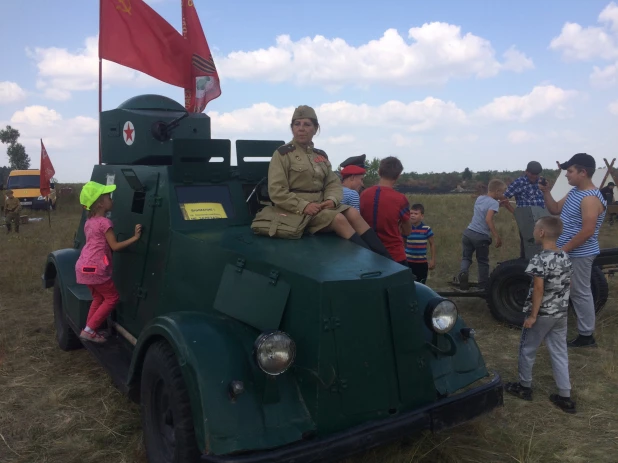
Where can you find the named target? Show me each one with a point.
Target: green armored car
(246, 348)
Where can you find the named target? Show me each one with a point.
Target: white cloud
(516, 61)
(613, 108)
(10, 92)
(521, 136)
(454, 139)
(61, 71)
(541, 100)
(437, 53)
(36, 122)
(70, 142)
(610, 15)
(586, 43)
(606, 77)
(341, 139)
(402, 141)
(579, 43)
(417, 116)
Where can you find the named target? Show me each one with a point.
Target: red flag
(47, 172)
(205, 84)
(134, 35)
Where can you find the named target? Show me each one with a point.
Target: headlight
(441, 315)
(40, 198)
(274, 352)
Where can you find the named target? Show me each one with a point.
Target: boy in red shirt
(388, 211)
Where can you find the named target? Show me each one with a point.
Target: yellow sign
(203, 211)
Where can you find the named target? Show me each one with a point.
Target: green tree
(18, 158)
(467, 174)
(371, 174)
(483, 176)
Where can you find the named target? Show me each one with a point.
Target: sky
(442, 85)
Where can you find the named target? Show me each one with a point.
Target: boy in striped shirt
(416, 245)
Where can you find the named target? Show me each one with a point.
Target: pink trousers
(104, 299)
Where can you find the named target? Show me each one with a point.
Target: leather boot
(375, 244)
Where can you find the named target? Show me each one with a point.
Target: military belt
(306, 191)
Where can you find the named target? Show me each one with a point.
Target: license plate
(26, 203)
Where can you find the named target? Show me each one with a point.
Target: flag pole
(100, 77)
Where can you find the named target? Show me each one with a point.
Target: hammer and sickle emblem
(125, 6)
(190, 2)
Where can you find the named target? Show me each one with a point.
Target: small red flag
(47, 172)
(134, 35)
(205, 85)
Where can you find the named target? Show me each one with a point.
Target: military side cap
(355, 161)
(352, 170)
(534, 168)
(580, 159)
(9, 192)
(92, 191)
(304, 112)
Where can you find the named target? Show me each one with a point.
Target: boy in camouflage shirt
(546, 308)
(12, 207)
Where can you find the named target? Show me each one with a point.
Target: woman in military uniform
(307, 194)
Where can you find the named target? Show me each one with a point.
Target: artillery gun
(244, 348)
(509, 284)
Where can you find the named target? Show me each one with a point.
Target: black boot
(375, 244)
(356, 239)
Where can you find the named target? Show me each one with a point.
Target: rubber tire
(161, 373)
(65, 336)
(505, 306)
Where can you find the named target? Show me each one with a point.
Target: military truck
(245, 348)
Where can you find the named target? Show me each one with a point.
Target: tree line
(445, 182)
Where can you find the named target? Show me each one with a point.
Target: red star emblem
(128, 133)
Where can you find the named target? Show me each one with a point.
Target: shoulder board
(321, 152)
(285, 149)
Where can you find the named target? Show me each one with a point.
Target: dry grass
(61, 407)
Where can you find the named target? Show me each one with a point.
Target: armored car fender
(232, 401)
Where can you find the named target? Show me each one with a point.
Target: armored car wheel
(169, 435)
(65, 336)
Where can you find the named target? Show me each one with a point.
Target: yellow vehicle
(26, 187)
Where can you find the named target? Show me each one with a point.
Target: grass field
(62, 407)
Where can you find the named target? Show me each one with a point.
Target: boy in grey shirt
(546, 306)
(477, 237)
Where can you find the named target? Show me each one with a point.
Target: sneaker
(583, 341)
(518, 390)
(92, 337)
(564, 403)
(463, 281)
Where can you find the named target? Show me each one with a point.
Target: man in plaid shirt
(526, 191)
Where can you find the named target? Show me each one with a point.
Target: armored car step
(115, 357)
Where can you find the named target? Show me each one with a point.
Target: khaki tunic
(296, 177)
(12, 205)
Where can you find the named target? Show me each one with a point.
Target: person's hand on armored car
(307, 194)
